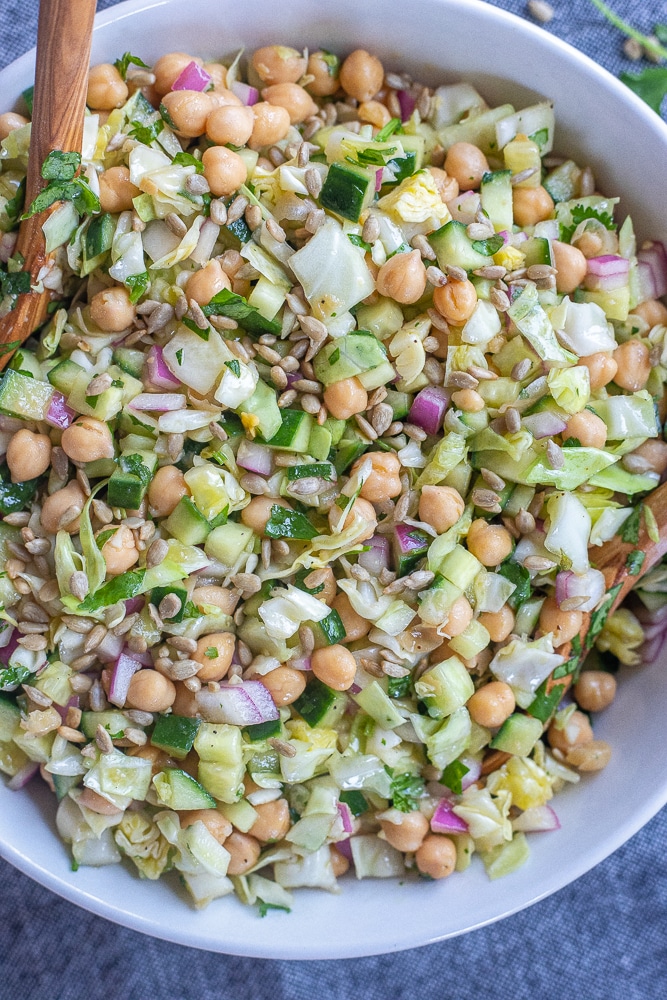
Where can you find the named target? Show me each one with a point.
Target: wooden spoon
(64, 35)
(611, 559)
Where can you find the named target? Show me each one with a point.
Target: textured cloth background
(602, 938)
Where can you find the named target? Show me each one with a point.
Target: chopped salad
(344, 381)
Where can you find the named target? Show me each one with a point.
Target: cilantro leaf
(355, 801)
(59, 166)
(579, 214)
(357, 241)
(545, 703)
(453, 775)
(137, 283)
(399, 687)
(11, 677)
(191, 325)
(634, 562)
(285, 523)
(146, 133)
(406, 790)
(599, 617)
(227, 303)
(212, 652)
(650, 85)
(392, 126)
(629, 530)
(14, 206)
(16, 283)
(78, 191)
(127, 60)
(490, 246)
(520, 577)
(188, 160)
(121, 588)
(265, 907)
(234, 367)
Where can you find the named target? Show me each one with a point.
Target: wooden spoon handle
(63, 52)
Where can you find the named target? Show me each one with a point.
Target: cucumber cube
(186, 523)
(175, 734)
(178, 790)
(347, 190)
(24, 397)
(517, 735)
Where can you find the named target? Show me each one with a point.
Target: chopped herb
(265, 907)
(520, 577)
(212, 652)
(15, 283)
(167, 117)
(453, 775)
(566, 669)
(15, 496)
(332, 61)
(11, 677)
(635, 561)
(629, 530)
(179, 356)
(234, 367)
(222, 517)
(399, 687)
(227, 303)
(137, 283)
(14, 206)
(9, 348)
(355, 801)
(373, 157)
(406, 790)
(127, 60)
(651, 525)
(358, 242)
(599, 617)
(545, 702)
(579, 214)
(392, 126)
(285, 523)
(576, 645)
(334, 356)
(490, 246)
(104, 537)
(135, 466)
(540, 137)
(571, 443)
(59, 166)
(191, 325)
(59, 169)
(121, 588)
(28, 95)
(188, 160)
(650, 85)
(146, 133)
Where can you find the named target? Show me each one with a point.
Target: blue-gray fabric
(602, 938)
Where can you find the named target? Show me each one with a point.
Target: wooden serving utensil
(64, 35)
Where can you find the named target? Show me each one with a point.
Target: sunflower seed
(78, 585)
(182, 669)
(169, 606)
(520, 370)
(512, 420)
(156, 553)
(252, 483)
(485, 499)
(572, 603)
(103, 740)
(69, 516)
(525, 522)
(71, 735)
(538, 563)
(247, 583)
(482, 374)
(540, 10)
(99, 384)
(197, 184)
(365, 427)
(462, 380)
(218, 212)
(479, 231)
(281, 747)
(34, 642)
(382, 416)
(236, 209)
(94, 638)
(491, 271)
(310, 403)
(307, 486)
(182, 643)
(492, 480)
(538, 271)
(555, 456)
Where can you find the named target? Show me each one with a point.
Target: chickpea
(168, 68)
(158, 758)
(167, 487)
(106, 88)
(188, 110)
(345, 398)
(634, 365)
(595, 690)
(490, 543)
(403, 277)
(222, 98)
(441, 507)
(258, 512)
(10, 121)
(284, 684)
(120, 551)
(219, 597)
(592, 756)
(602, 369)
(215, 653)
(244, 852)
(455, 301)
(272, 123)
(216, 824)
(97, 803)
(590, 244)
(531, 205)
(224, 170)
(361, 75)
(654, 452)
(575, 733)
(448, 187)
(384, 478)
(296, 101)
(324, 70)
(339, 862)
(459, 617)
(651, 311)
(589, 429)
(355, 626)
(334, 666)
(360, 509)
(498, 624)
(563, 624)
(374, 113)
(436, 856)
(466, 164)
(87, 440)
(218, 74)
(149, 691)
(570, 265)
(490, 705)
(468, 400)
(230, 124)
(58, 504)
(112, 310)
(28, 455)
(407, 834)
(116, 190)
(207, 282)
(185, 703)
(278, 64)
(273, 821)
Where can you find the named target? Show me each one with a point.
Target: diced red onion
(59, 414)
(407, 103)
(590, 585)
(378, 178)
(22, 777)
(255, 458)
(249, 95)
(537, 819)
(429, 407)
(5, 639)
(517, 238)
(544, 424)
(343, 847)
(156, 374)
(193, 77)
(7, 246)
(208, 236)
(160, 402)
(652, 262)
(445, 820)
(607, 272)
(376, 558)
(408, 538)
(124, 670)
(245, 704)
(507, 237)
(12, 644)
(134, 604)
(355, 689)
(345, 814)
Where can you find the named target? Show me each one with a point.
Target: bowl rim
(417, 935)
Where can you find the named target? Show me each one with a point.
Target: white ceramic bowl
(599, 122)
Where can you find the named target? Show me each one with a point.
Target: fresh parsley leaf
(576, 645)
(146, 133)
(9, 348)
(567, 669)
(137, 283)
(227, 303)
(520, 577)
(191, 325)
(234, 367)
(358, 242)
(11, 677)
(134, 465)
(179, 356)
(490, 246)
(392, 126)
(121, 588)
(373, 157)
(545, 703)
(16, 283)
(355, 801)
(579, 214)
(188, 160)
(265, 907)
(571, 443)
(167, 117)
(599, 617)
(650, 85)
(127, 60)
(453, 775)
(629, 530)
(14, 206)
(78, 191)
(634, 562)
(399, 687)
(285, 523)
(212, 652)
(406, 790)
(334, 356)
(59, 166)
